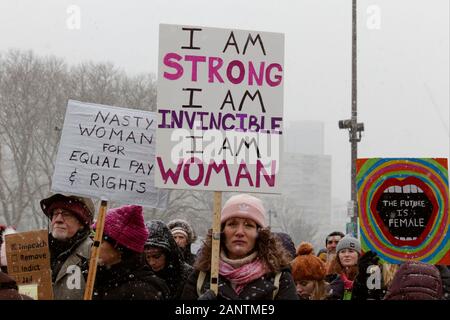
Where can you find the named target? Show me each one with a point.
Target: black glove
(208, 295)
(360, 288)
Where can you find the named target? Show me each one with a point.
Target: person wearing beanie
(344, 267)
(164, 257)
(69, 243)
(253, 264)
(122, 273)
(309, 273)
(184, 236)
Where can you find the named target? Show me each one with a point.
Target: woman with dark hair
(122, 273)
(253, 263)
(165, 259)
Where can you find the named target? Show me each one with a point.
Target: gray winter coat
(70, 280)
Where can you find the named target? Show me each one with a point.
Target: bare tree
(33, 97)
(289, 219)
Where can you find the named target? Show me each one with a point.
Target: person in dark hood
(69, 243)
(165, 259)
(184, 236)
(122, 273)
(287, 243)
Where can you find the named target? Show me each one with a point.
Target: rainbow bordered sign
(403, 208)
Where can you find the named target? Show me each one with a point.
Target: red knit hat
(244, 206)
(82, 208)
(306, 266)
(126, 226)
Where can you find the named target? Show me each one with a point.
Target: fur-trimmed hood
(185, 226)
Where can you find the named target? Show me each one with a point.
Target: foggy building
(306, 176)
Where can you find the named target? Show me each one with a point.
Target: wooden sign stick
(216, 242)
(88, 291)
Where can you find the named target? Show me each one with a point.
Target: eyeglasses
(64, 213)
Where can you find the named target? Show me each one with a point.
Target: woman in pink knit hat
(122, 273)
(253, 263)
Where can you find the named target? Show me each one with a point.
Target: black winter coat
(129, 280)
(336, 289)
(9, 289)
(259, 289)
(445, 276)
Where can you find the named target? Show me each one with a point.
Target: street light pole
(354, 140)
(352, 124)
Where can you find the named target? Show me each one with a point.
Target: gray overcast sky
(403, 67)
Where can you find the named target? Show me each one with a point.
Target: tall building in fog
(307, 176)
(304, 137)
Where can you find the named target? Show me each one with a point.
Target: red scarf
(244, 274)
(348, 284)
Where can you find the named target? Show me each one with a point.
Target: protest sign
(403, 208)
(220, 109)
(108, 153)
(28, 258)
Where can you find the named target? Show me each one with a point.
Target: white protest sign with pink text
(220, 109)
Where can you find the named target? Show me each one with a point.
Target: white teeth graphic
(406, 238)
(410, 188)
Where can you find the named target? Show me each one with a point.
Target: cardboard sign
(28, 258)
(403, 209)
(108, 153)
(220, 109)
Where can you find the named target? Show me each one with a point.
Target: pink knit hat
(244, 206)
(126, 226)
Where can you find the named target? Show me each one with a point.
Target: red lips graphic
(405, 210)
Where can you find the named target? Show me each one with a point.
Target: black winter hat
(159, 236)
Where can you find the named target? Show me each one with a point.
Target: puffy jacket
(416, 280)
(259, 289)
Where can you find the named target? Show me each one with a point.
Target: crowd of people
(152, 260)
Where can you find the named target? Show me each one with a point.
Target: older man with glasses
(70, 219)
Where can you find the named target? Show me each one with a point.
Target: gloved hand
(360, 287)
(208, 295)
(367, 259)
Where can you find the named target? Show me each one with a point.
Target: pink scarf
(348, 284)
(244, 274)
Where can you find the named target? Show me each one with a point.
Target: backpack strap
(276, 283)
(200, 279)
